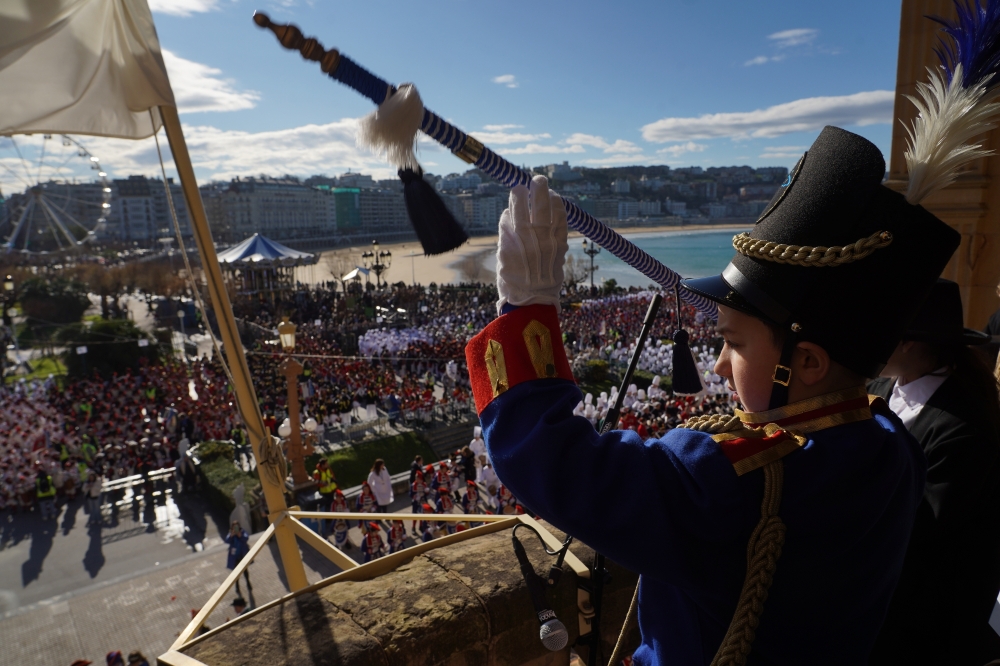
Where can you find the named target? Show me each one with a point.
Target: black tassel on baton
(686, 378)
(436, 227)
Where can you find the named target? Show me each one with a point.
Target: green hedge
(352, 464)
(219, 479)
(213, 450)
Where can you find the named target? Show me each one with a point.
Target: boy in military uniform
(812, 473)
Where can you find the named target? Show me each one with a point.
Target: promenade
(70, 592)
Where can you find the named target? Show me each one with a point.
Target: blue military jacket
(679, 510)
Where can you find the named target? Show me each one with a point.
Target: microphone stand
(608, 423)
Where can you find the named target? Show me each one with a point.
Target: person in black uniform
(947, 398)
(993, 330)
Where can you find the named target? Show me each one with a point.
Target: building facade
(140, 212)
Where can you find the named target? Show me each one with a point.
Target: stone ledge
(463, 604)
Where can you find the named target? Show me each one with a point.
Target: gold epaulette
(713, 424)
(747, 448)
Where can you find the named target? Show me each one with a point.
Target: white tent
(262, 251)
(355, 274)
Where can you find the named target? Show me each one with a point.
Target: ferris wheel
(62, 204)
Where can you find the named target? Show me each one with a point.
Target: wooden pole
(291, 368)
(246, 399)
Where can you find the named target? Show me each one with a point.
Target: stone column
(972, 204)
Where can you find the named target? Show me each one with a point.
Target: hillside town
(353, 207)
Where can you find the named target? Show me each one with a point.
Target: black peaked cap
(857, 311)
(940, 318)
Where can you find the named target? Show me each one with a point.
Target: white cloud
(182, 7)
(539, 149)
(501, 128)
(681, 148)
(801, 115)
(617, 160)
(508, 80)
(500, 138)
(620, 146)
(783, 152)
(793, 37)
(219, 154)
(198, 87)
(762, 60)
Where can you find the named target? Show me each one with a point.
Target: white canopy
(261, 251)
(81, 67)
(355, 274)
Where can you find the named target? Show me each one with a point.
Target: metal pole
(246, 399)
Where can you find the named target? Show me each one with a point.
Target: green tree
(51, 302)
(112, 346)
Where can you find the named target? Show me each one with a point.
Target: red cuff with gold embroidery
(519, 346)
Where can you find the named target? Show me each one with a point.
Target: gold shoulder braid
(713, 424)
(763, 549)
(804, 255)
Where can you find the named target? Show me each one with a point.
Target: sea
(696, 253)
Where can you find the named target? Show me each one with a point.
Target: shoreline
(469, 263)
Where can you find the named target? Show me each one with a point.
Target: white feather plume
(390, 131)
(940, 141)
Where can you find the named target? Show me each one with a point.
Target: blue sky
(678, 82)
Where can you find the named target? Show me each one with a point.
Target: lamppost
(377, 261)
(8, 300)
(290, 427)
(591, 250)
(180, 317)
(8, 318)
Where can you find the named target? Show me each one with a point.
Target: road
(44, 559)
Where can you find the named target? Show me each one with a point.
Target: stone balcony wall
(462, 604)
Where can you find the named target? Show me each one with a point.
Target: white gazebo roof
(259, 252)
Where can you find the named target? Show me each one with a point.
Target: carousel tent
(261, 251)
(260, 265)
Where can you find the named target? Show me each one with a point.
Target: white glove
(532, 246)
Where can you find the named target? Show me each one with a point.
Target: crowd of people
(68, 437)
(72, 438)
(463, 483)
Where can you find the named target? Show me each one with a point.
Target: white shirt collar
(907, 400)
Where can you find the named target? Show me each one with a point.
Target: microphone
(553, 632)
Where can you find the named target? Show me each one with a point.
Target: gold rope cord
(713, 423)
(805, 255)
(763, 551)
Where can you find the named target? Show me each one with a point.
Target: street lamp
(8, 300)
(289, 428)
(180, 316)
(591, 250)
(286, 333)
(377, 261)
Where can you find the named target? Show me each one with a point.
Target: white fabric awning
(261, 251)
(355, 274)
(81, 67)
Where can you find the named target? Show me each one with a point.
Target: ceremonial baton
(341, 68)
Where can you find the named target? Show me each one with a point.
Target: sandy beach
(473, 262)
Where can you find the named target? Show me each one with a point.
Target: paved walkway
(56, 619)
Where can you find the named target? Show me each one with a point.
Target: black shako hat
(837, 258)
(940, 319)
